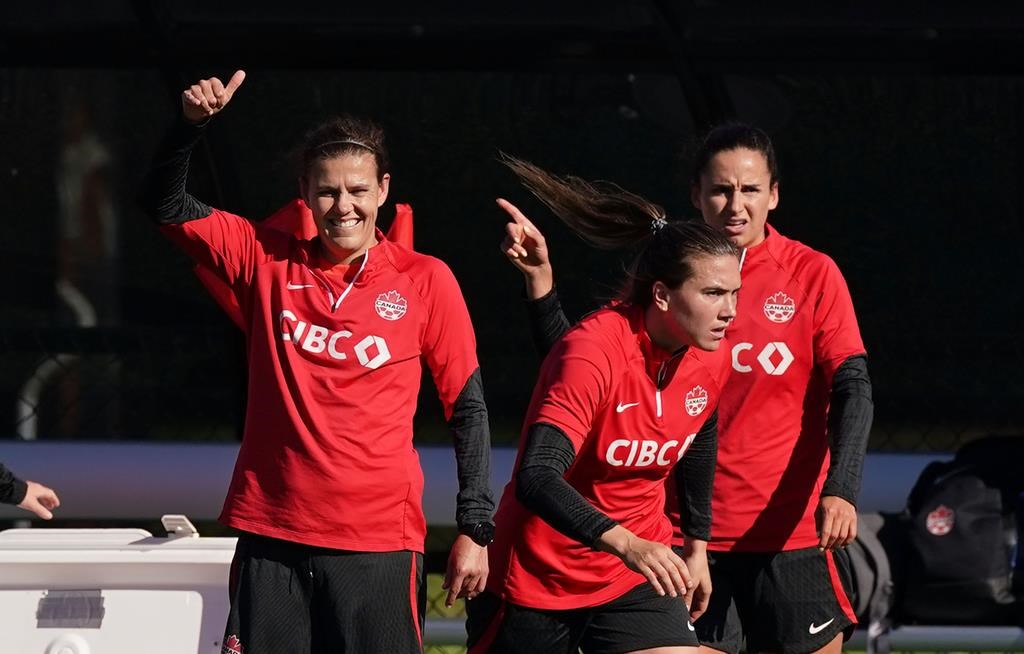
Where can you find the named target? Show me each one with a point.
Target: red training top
(334, 371)
(794, 326)
(599, 386)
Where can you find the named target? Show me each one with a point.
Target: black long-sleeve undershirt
(471, 435)
(694, 477)
(163, 196)
(850, 413)
(547, 321)
(12, 489)
(542, 488)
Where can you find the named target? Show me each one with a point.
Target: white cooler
(113, 591)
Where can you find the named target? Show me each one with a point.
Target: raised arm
(163, 195)
(526, 248)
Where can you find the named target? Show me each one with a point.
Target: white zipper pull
(661, 379)
(341, 298)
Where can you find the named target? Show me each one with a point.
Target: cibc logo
(774, 358)
(372, 351)
(646, 453)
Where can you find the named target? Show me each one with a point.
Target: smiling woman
(344, 195)
(344, 181)
(327, 486)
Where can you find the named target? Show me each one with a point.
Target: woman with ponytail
(581, 555)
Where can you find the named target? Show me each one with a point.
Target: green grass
(437, 609)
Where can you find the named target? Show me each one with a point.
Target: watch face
(482, 533)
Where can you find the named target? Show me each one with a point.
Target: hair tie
(347, 142)
(657, 224)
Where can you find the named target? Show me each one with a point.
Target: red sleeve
(222, 242)
(222, 293)
(449, 343)
(836, 334)
(574, 383)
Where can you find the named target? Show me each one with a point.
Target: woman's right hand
(208, 97)
(662, 567)
(40, 500)
(526, 248)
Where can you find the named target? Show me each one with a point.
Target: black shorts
(289, 597)
(792, 602)
(640, 619)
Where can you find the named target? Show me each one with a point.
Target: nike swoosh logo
(813, 629)
(689, 625)
(295, 287)
(622, 407)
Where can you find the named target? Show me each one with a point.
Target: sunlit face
(735, 195)
(343, 193)
(697, 312)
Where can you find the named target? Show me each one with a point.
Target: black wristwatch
(482, 533)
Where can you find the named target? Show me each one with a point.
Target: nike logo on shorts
(689, 625)
(295, 287)
(622, 407)
(815, 628)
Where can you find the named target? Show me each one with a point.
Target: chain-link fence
(906, 182)
(188, 383)
(109, 335)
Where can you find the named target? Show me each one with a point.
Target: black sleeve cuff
(12, 489)
(19, 492)
(547, 321)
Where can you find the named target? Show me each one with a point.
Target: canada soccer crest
(940, 521)
(696, 401)
(779, 307)
(390, 305)
(232, 645)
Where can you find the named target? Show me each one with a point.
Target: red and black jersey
(630, 411)
(334, 371)
(795, 325)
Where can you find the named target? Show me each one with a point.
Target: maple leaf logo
(232, 645)
(779, 307)
(940, 521)
(391, 305)
(696, 400)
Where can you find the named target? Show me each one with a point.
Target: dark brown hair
(609, 217)
(733, 136)
(344, 134)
